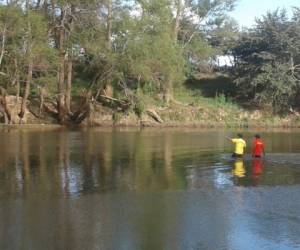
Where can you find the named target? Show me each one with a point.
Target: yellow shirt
(240, 145)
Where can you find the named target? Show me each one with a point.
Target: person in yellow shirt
(240, 145)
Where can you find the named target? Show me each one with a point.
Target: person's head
(257, 136)
(240, 135)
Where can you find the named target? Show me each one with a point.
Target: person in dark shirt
(258, 147)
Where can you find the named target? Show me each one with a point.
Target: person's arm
(253, 149)
(228, 138)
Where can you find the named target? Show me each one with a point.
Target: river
(147, 189)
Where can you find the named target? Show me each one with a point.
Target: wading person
(258, 147)
(239, 145)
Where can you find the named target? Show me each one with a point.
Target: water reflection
(248, 172)
(101, 189)
(71, 163)
(257, 170)
(239, 168)
(81, 162)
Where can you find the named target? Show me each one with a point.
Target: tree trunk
(3, 44)
(27, 90)
(108, 86)
(179, 7)
(17, 81)
(109, 24)
(42, 100)
(7, 112)
(61, 78)
(168, 96)
(69, 64)
(69, 86)
(168, 92)
(30, 67)
(53, 5)
(17, 88)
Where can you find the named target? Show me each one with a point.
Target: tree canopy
(267, 64)
(72, 53)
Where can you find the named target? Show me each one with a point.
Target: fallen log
(152, 113)
(50, 108)
(122, 104)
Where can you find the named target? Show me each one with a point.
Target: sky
(246, 10)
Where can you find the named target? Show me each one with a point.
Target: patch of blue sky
(247, 10)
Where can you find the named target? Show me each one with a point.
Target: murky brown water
(148, 189)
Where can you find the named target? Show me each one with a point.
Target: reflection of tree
(53, 170)
(167, 148)
(104, 155)
(62, 172)
(152, 223)
(42, 155)
(63, 162)
(153, 160)
(24, 142)
(8, 142)
(88, 181)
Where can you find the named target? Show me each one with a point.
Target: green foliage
(221, 99)
(266, 58)
(133, 46)
(139, 107)
(25, 36)
(151, 56)
(280, 87)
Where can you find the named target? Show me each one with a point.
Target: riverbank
(191, 110)
(187, 109)
(187, 117)
(176, 115)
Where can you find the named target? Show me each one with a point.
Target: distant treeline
(72, 52)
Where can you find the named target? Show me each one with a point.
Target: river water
(147, 189)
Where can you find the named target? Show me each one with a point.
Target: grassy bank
(191, 108)
(198, 103)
